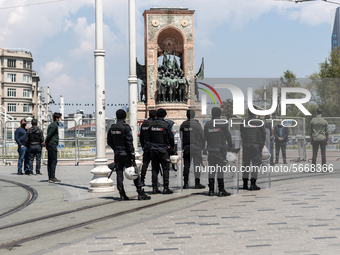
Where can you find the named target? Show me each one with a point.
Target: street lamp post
(133, 82)
(100, 181)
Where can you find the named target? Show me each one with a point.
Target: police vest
(215, 137)
(158, 132)
(145, 130)
(253, 133)
(190, 133)
(118, 134)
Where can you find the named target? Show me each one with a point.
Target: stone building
(19, 84)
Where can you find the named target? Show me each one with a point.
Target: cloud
(67, 24)
(51, 68)
(70, 88)
(85, 34)
(29, 26)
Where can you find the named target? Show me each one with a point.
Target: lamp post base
(100, 182)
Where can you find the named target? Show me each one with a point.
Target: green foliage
(325, 85)
(287, 80)
(227, 108)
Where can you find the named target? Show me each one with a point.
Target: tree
(325, 85)
(227, 108)
(287, 80)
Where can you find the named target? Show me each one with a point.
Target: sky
(237, 38)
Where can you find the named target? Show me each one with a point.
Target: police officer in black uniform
(193, 143)
(144, 139)
(253, 136)
(120, 139)
(217, 138)
(161, 138)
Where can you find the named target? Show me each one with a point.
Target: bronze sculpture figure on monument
(141, 74)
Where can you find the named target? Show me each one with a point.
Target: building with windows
(19, 84)
(44, 104)
(335, 22)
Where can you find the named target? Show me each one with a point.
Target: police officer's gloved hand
(133, 158)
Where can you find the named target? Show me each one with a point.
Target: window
(27, 93)
(27, 64)
(27, 108)
(11, 92)
(335, 42)
(11, 63)
(27, 79)
(335, 36)
(11, 77)
(11, 107)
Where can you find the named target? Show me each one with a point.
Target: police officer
(253, 136)
(217, 135)
(161, 138)
(193, 143)
(144, 139)
(119, 138)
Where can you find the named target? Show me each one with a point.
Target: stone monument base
(175, 111)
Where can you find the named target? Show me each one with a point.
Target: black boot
(143, 196)
(211, 187)
(155, 190)
(166, 189)
(198, 185)
(253, 185)
(186, 180)
(123, 196)
(221, 191)
(245, 183)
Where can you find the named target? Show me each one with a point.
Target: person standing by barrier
(161, 137)
(120, 139)
(34, 140)
(51, 142)
(193, 143)
(144, 139)
(281, 137)
(20, 134)
(269, 126)
(319, 137)
(253, 137)
(217, 136)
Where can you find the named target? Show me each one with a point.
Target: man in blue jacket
(20, 134)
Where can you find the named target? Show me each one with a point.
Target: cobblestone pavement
(299, 217)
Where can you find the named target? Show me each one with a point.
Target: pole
(133, 82)
(265, 97)
(100, 182)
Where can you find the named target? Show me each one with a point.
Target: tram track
(81, 224)
(32, 195)
(102, 218)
